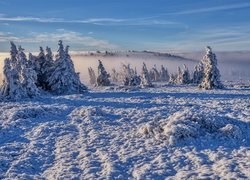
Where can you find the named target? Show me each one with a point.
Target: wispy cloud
(29, 19)
(67, 36)
(226, 39)
(97, 21)
(212, 9)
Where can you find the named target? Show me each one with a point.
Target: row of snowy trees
(38, 74)
(128, 76)
(206, 74)
(43, 73)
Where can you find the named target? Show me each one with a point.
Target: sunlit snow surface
(167, 131)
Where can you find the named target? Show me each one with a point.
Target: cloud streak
(67, 36)
(96, 21)
(212, 9)
(228, 39)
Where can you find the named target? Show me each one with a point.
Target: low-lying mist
(234, 68)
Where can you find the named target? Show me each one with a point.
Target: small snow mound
(181, 125)
(231, 131)
(26, 113)
(150, 129)
(87, 112)
(190, 124)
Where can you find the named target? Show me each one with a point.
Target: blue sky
(159, 25)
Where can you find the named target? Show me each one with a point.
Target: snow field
(173, 132)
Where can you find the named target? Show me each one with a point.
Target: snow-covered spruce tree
(134, 80)
(145, 79)
(64, 79)
(27, 76)
(21, 59)
(103, 76)
(114, 75)
(31, 61)
(11, 84)
(198, 74)
(92, 76)
(125, 72)
(211, 78)
(173, 78)
(11, 87)
(154, 74)
(19, 78)
(47, 68)
(179, 76)
(39, 67)
(185, 75)
(131, 78)
(164, 76)
(13, 53)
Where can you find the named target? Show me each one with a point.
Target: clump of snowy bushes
(28, 78)
(189, 124)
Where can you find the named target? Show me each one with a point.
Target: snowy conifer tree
(154, 74)
(134, 80)
(130, 76)
(198, 74)
(211, 78)
(21, 59)
(39, 67)
(64, 79)
(27, 76)
(28, 81)
(13, 53)
(179, 76)
(31, 61)
(92, 76)
(145, 79)
(47, 68)
(11, 87)
(114, 75)
(173, 78)
(19, 78)
(185, 75)
(103, 76)
(164, 76)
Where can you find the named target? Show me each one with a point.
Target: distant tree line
(205, 74)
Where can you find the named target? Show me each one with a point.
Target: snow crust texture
(153, 133)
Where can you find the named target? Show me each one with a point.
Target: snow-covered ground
(168, 131)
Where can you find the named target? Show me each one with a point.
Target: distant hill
(134, 54)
